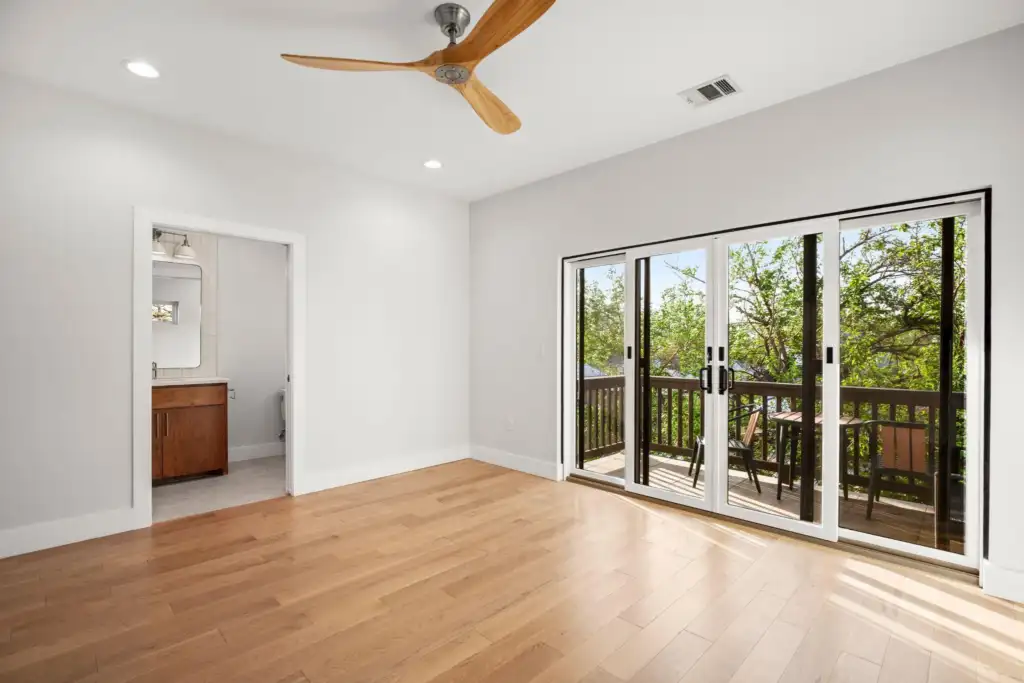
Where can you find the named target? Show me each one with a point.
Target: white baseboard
(512, 461)
(1003, 583)
(32, 537)
(53, 533)
(255, 451)
(375, 468)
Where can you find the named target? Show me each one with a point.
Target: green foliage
(766, 309)
(604, 318)
(678, 326)
(889, 307)
(889, 311)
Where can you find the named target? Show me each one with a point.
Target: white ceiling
(591, 79)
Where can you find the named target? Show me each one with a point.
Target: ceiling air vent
(715, 89)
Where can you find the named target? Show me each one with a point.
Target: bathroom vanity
(190, 427)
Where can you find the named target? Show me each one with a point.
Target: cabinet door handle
(167, 420)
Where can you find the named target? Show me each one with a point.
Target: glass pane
(893, 365)
(768, 423)
(604, 381)
(678, 315)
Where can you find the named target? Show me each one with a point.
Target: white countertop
(181, 381)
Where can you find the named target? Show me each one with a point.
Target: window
(165, 312)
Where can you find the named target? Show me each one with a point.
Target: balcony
(904, 510)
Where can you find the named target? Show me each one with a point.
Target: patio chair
(741, 446)
(901, 452)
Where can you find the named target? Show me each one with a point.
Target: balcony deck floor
(891, 518)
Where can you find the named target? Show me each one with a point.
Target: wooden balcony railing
(603, 416)
(677, 407)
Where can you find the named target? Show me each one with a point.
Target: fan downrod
(453, 20)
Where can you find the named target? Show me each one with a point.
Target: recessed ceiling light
(432, 164)
(144, 69)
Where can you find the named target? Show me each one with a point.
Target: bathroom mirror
(177, 314)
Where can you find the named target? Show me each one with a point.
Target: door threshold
(852, 547)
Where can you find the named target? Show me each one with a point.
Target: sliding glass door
(909, 322)
(599, 288)
(823, 377)
(669, 377)
(776, 397)
(717, 388)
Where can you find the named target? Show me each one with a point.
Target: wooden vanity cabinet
(190, 430)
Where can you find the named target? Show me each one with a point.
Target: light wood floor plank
(852, 669)
(771, 655)
(728, 651)
(904, 663)
(580, 662)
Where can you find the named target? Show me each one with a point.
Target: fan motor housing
(452, 74)
(452, 18)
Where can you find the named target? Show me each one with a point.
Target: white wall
(252, 342)
(387, 300)
(949, 122)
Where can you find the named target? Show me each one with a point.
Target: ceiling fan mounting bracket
(453, 20)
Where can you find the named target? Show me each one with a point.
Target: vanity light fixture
(432, 164)
(158, 247)
(185, 250)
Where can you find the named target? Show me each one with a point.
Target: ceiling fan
(455, 64)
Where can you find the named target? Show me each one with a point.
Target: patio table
(787, 426)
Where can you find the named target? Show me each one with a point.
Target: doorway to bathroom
(218, 323)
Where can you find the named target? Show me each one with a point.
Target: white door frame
(826, 527)
(973, 207)
(706, 502)
(146, 219)
(570, 369)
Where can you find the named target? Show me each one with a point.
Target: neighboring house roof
(590, 371)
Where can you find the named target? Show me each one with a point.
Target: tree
(678, 326)
(604, 318)
(890, 279)
(766, 309)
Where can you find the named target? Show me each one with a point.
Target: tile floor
(247, 481)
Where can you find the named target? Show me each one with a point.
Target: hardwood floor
(471, 573)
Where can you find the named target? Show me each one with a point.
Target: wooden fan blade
(338, 64)
(503, 21)
(487, 105)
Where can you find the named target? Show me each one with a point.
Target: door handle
(167, 420)
(704, 383)
(732, 378)
(722, 379)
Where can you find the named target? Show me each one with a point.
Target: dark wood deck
(905, 511)
(901, 520)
